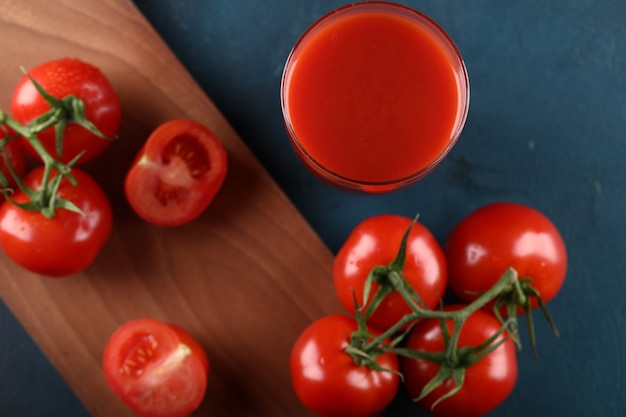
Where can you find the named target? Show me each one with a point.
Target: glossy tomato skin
(60, 78)
(64, 244)
(157, 369)
(501, 235)
(176, 174)
(487, 383)
(375, 242)
(326, 379)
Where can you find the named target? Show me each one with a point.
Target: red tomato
(64, 244)
(328, 381)
(157, 369)
(376, 242)
(502, 235)
(14, 153)
(60, 78)
(176, 174)
(487, 383)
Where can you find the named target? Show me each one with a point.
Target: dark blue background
(545, 128)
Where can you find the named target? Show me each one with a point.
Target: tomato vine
(510, 290)
(69, 109)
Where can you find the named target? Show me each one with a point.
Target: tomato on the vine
(487, 382)
(176, 174)
(69, 77)
(376, 242)
(157, 369)
(505, 235)
(65, 243)
(329, 382)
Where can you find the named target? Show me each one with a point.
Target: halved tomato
(176, 174)
(157, 369)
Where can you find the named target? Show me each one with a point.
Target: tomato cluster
(456, 359)
(55, 217)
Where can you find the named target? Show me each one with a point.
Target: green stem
(45, 197)
(509, 278)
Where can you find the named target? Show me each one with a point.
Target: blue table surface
(545, 128)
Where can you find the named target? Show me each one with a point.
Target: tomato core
(184, 160)
(187, 149)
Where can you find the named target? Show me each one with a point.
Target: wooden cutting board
(244, 279)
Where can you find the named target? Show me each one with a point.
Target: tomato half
(157, 369)
(487, 383)
(176, 174)
(375, 242)
(60, 78)
(328, 381)
(64, 244)
(502, 235)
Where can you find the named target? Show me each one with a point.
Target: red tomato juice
(374, 96)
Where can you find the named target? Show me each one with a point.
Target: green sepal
(377, 274)
(65, 204)
(360, 349)
(445, 373)
(519, 296)
(30, 205)
(78, 116)
(390, 279)
(70, 109)
(470, 355)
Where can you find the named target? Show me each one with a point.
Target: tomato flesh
(157, 369)
(176, 174)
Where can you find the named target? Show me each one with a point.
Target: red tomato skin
(501, 235)
(487, 383)
(326, 379)
(64, 244)
(168, 187)
(375, 242)
(142, 387)
(60, 78)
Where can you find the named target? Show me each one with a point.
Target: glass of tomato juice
(374, 96)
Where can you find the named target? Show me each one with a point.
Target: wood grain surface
(244, 279)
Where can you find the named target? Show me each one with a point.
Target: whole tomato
(157, 369)
(63, 244)
(176, 174)
(505, 235)
(486, 383)
(61, 78)
(375, 242)
(329, 382)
